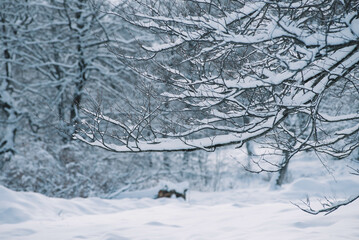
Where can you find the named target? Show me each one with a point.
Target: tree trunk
(166, 162)
(283, 170)
(82, 68)
(7, 105)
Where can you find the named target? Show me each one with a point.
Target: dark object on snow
(168, 194)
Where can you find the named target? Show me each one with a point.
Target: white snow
(253, 211)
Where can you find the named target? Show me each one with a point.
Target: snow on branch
(328, 205)
(232, 72)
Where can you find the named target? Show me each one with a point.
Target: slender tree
(14, 21)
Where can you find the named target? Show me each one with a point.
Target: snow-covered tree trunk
(12, 19)
(81, 78)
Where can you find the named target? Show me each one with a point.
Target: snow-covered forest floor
(253, 211)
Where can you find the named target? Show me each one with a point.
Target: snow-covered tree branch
(233, 72)
(326, 207)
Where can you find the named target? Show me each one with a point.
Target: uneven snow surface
(256, 213)
(253, 211)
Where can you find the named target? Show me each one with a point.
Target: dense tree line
(56, 56)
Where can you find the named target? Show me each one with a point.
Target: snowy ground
(255, 212)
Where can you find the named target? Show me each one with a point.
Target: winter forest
(251, 106)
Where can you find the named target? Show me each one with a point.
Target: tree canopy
(237, 71)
